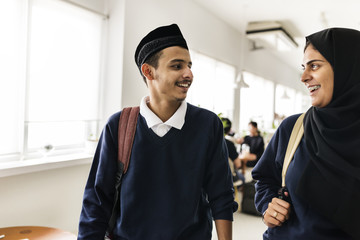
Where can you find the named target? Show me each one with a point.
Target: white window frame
(24, 161)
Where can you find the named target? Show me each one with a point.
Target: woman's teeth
(314, 88)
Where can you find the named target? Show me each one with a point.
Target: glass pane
(55, 134)
(303, 102)
(202, 89)
(256, 102)
(224, 89)
(64, 62)
(285, 103)
(213, 85)
(61, 134)
(64, 74)
(12, 72)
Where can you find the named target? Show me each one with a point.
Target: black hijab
(331, 180)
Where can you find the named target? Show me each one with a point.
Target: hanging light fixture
(240, 80)
(285, 96)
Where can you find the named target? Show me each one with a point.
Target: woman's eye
(314, 66)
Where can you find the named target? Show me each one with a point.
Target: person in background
(323, 178)
(234, 156)
(256, 145)
(178, 180)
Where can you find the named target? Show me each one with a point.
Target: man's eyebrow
(311, 61)
(180, 60)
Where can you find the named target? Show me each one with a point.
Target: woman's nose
(305, 76)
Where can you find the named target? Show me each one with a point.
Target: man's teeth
(183, 84)
(313, 88)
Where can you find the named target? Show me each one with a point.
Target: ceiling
(299, 18)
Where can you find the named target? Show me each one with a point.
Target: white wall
(114, 61)
(53, 198)
(50, 198)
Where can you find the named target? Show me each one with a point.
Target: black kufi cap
(158, 39)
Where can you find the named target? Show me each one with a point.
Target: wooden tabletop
(34, 233)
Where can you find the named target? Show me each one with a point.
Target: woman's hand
(277, 213)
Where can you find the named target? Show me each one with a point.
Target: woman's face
(318, 77)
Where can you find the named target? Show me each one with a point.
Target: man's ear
(147, 71)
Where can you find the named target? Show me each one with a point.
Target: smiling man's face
(173, 77)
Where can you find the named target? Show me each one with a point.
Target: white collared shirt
(159, 127)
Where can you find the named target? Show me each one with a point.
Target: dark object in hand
(282, 195)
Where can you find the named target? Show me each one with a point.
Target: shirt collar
(177, 120)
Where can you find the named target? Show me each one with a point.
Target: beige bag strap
(295, 138)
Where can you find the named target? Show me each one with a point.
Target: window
(11, 75)
(302, 102)
(284, 102)
(256, 102)
(288, 102)
(268, 103)
(50, 92)
(213, 85)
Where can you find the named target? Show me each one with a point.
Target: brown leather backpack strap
(126, 134)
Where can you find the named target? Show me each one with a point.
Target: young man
(178, 177)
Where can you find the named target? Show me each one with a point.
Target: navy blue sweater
(304, 222)
(174, 184)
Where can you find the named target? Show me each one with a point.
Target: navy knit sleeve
(218, 178)
(99, 191)
(268, 170)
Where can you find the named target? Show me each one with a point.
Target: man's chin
(180, 99)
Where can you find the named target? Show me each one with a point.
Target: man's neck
(254, 135)
(163, 109)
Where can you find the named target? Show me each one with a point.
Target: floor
(245, 227)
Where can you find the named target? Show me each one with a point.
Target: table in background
(34, 233)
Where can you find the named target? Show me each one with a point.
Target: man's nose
(188, 74)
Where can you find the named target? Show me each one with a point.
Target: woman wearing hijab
(323, 178)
